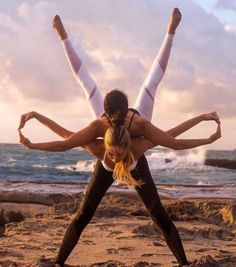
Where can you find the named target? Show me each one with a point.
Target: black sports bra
(131, 119)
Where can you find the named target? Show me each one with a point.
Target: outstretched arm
(140, 145)
(183, 127)
(158, 137)
(81, 138)
(52, 125)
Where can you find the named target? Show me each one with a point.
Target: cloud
(24, 11)
(118, 48)
(226, 4)
(231, 28)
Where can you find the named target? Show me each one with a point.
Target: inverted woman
(116, 155)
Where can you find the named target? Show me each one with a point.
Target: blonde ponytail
(118, 136)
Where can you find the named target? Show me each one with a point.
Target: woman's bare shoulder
(139, 146)
(96, 148)
(137, 127)
(100, 126)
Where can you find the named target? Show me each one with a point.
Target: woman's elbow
(63, 147)
(176, 145)
(67, 134)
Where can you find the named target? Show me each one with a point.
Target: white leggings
(145, 100)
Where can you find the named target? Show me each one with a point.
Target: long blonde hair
(118, 137)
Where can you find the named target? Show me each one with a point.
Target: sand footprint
(114, 233)
(107, 264)
(148, 255)
(204, 249)
(126, 248)
(88, 242)
(145, 263)
(112, 251)
(7, 263)
(146, 230)
(158, 244)
(223, 253)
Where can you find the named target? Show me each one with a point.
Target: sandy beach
(120, 234)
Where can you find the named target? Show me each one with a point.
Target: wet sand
(120, 234)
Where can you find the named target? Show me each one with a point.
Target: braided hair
(116, 109)
(116, 106)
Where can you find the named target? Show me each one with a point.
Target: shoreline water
(168, 167)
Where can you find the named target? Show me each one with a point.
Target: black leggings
(100, 181)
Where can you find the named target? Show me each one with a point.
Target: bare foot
(174, 21)
(60, 31)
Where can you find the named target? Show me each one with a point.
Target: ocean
(178, 174)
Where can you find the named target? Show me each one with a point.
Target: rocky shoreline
(121, 233)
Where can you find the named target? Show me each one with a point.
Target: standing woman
(102, 176)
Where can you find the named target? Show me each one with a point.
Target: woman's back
(133, 122)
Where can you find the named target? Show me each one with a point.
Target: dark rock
(222, 163)
(13, 216)
(2, 218)
(42, 262)
(205, 261)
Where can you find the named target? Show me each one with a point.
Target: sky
(117, 41)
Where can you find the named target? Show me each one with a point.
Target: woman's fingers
(219, 130)
(212, 116)
(22, 122)
(216, 117)
(23, 140)
(217, 134)
(24, 118)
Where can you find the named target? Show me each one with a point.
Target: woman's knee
(83, 217)
(161, 218)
